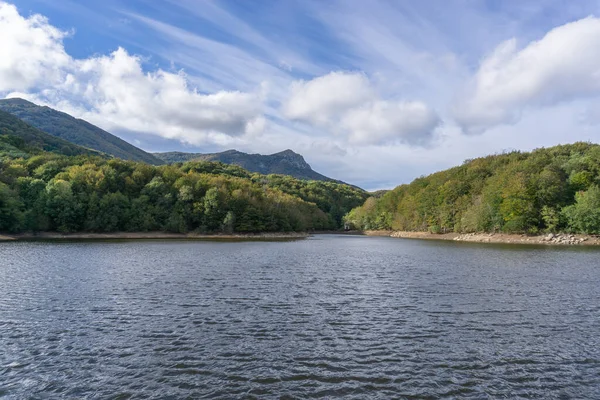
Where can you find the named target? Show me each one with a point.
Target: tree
(10, 213)
(551, 218)
(113, 212)
(32, 194)
(584, 215)
(228, 222)
(213, 212)
(61, 206)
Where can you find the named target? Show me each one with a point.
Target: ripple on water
(321, 318)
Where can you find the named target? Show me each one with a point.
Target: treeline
(547, 190)
(52, 192)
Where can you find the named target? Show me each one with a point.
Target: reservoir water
(327, 317)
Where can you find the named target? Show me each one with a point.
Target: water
(327, 317)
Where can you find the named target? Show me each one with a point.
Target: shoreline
(560, 239)
(151, 235)
(550, 239)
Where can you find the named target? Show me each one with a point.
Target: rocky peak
(292, 158)
(17, 101)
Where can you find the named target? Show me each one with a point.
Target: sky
(374, 93)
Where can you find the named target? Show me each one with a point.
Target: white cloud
(348, 104)
(323, 99)
(562, 66)
(384, 122)
(31, 51)
(113, 91)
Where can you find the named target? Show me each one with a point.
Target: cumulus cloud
(31, 52)
(113, 90)
(348, 104)
(385, 121)
(320, 100)
(562, 66)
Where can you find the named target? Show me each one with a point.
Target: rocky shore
(547, 239)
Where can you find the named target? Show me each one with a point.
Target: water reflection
(325, 317)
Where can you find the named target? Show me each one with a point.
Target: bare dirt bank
(548, 239)
(152, 235)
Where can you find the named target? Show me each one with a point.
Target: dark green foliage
(70, 194)
(10, 210)
(283, 163)
(74, 130)
(584, 215)
(61, 206)
(548, 190)
(333, 198)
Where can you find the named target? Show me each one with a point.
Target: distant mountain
(75, 130)
(19, 139)
(285, 163)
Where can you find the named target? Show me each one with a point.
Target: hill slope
(19, 139)
(283, 163)
(334, 198)
(75, 130)
(50, 192)
(546, 190)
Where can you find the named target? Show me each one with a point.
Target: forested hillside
(75, 130)
(18, 139)
(50, 192)
(547, 190)
(335, 199)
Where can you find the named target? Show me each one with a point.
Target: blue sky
(372, 92)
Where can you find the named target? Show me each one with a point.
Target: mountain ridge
(81, 133)
(286, 162)
(20, 139)
(74, 130)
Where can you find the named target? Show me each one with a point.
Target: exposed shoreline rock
(563, 239)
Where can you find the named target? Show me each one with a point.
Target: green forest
(553, 189)
(51, 192)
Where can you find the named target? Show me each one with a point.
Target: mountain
(19, 139)
(550, 190)
(284, 163)
(75, 130)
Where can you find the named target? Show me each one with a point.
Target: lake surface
(330, 316)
